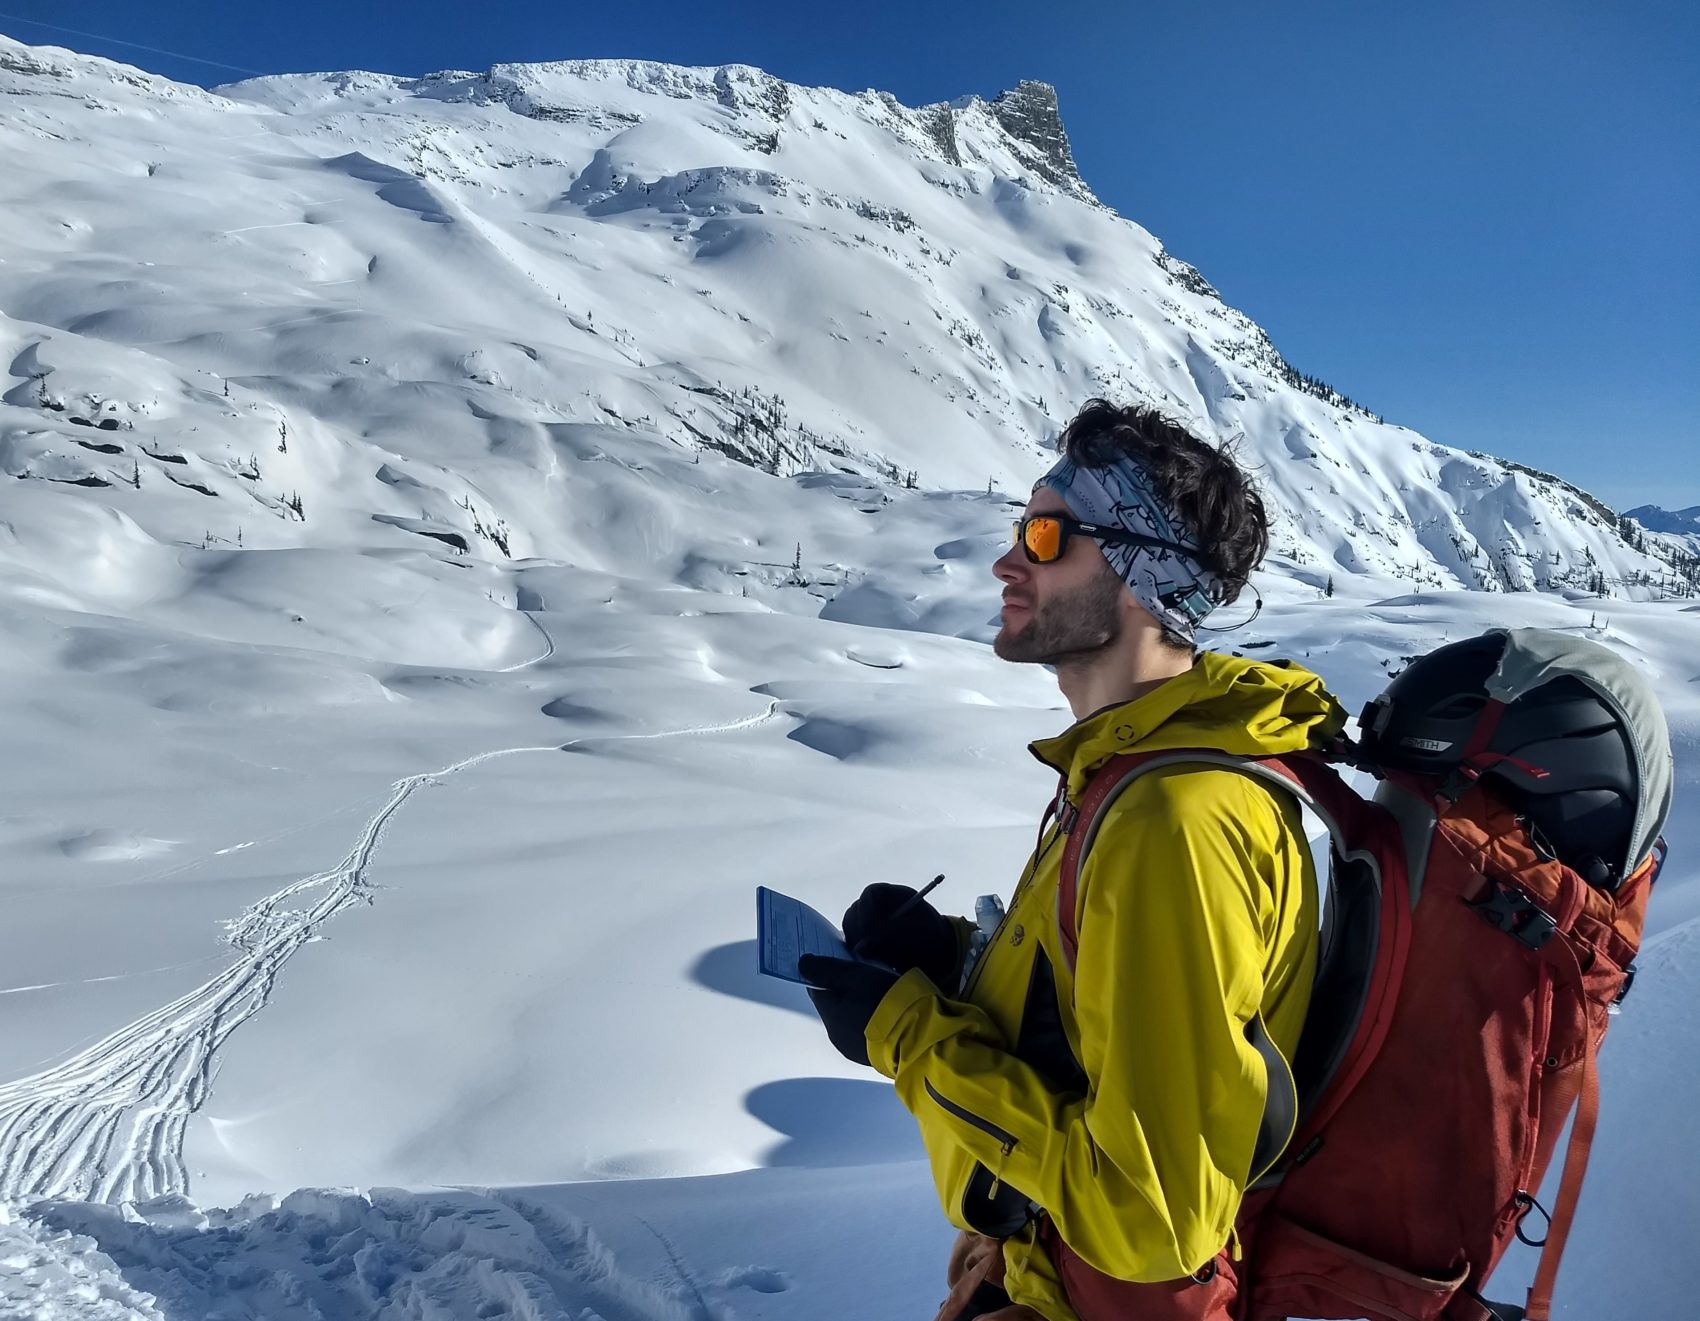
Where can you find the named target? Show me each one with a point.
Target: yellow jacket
(1125, 1098)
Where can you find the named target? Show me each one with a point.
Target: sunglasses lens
(1042, 538)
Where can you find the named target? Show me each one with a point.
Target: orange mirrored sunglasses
(1044, 537)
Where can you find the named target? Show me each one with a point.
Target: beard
(1070, 626)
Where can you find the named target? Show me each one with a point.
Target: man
(1091, 1122)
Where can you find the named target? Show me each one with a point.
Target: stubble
(1069, 626)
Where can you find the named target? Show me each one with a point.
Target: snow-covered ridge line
(713, 258)
(563, 91)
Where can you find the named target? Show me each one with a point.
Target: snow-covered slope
(463, 534)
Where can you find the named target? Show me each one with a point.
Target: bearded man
(1093, 1115)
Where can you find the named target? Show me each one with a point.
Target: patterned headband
(1170, 584)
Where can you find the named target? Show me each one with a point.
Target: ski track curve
(548, 648)
(108, 1123)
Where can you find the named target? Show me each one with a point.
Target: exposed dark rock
(740, 88)
(190, 486)
(1028, 113)
(1186, 275)
(940, 123)
(24, 62)
(522, 103)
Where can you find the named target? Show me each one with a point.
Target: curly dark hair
(1215, 497)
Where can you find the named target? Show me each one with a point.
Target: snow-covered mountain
(1655, 519)
(711, 258)
(1679, 527)
(465, 532)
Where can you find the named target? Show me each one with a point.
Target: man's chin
(1022, 648)
(1013, 645)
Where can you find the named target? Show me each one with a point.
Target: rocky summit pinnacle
(1028, 113)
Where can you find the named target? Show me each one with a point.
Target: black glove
(845, 995)
(919, 937)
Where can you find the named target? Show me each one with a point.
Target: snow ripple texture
(108, 1123)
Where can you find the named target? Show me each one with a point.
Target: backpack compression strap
(1539, 1304)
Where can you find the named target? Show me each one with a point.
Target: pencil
(900, 910)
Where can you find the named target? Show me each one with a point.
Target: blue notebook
(787, 929)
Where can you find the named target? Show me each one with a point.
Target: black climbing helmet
(1582, 809)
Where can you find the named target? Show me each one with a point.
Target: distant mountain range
(1677, 527)
(1655, 519)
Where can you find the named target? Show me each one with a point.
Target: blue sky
(1482, 221)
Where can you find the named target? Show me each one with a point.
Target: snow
(505, 562)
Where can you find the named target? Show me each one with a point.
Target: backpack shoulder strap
(1115, 775)
(1281, 1111)
(1365, 944)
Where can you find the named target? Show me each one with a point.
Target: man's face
(1061, 611)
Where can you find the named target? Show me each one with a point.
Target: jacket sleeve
(1143, 1175)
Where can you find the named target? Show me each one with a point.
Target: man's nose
(1011, 566)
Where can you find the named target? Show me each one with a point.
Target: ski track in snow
(108, 1124)
(696, 731)
(548, 644)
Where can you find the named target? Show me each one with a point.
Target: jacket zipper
(1005, 1140)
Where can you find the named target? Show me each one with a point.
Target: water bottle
(988, 915)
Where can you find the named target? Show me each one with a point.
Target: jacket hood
(1241, 707)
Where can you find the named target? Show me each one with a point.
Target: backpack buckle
(1616, 1005)
(1513, 912)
